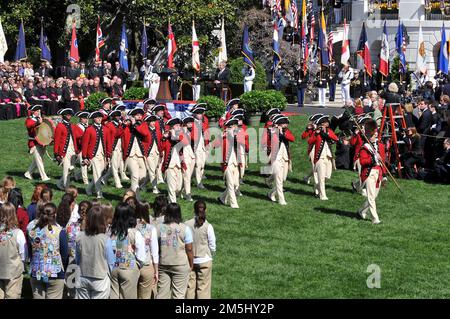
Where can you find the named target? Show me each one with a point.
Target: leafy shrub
(215, 106)
(135, 93)
(92, 103)
(236, 67)
(261, 101)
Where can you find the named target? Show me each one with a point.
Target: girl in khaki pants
(176, 257)
(129, 248)
(12, 253)
(48, 250)
(149, 272)
(199, 285)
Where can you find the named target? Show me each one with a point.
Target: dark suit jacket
(121, 74)
(425, 122)
(72, 73)
(45, 71)
(93, 72)
(223, 77)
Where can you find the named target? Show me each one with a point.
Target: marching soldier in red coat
(322, 139)
(243, 143)
(135, 142)
(200, 136)
(153, 153)
(230, 165)
(232, 105)
(149, 104)
(83, 124)
(105, 109)
(371, 156)
(173, 165)
(66, 145)
(96, 151)
(116, 129)
(309, 131)
(280, 157)
(357, 142)
(162, 117)
(35, 149)
(188, 157)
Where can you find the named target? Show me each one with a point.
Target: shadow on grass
(338, 212)
(342, 189)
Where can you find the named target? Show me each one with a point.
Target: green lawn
(310, 248)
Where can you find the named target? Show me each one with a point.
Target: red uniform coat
(62, 138)
(115, 133)
(167, 146)
(226, 153)
(319, 140)
(91, 140)
(160, 126)
(159, 139)
(285, 137)
(195, 134)
(368, 162)
(243, 137)
(223, 120)
(306, 135)
(140, 131)
(356, 141)
(31, 125)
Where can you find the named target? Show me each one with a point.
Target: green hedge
(93, 101)
(215, 106)
(261, 101)
(236, 66)
(135, 93)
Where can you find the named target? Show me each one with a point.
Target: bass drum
(45, 132)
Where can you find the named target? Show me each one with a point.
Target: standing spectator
(31, 209)
(148, 278)
(15, 198)
(12, 253)
(337, 8)
(48, 250)
(129, 248)
(120, 73)
(95, 257)
(199, 285)
(413, 154)
(176, 256)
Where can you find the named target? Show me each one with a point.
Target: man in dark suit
(45, 69)
(222, 79)
(120, 72)
(72, 72)
(83, 72)
(423, 126)
(96, 70)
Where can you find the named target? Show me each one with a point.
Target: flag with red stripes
(171, 48)
(330, 46)
(99, 40)
(294, 14)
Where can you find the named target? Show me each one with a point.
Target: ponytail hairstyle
(64, 210)
(47, 216)
(200, 213)
(8, 217)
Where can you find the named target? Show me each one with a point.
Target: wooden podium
(164, 88)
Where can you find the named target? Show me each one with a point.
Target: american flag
(294, 14)
(330, 46)
(278, 5)
(313, 24)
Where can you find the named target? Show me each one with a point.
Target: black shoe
(331, 100)
(220, 201)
